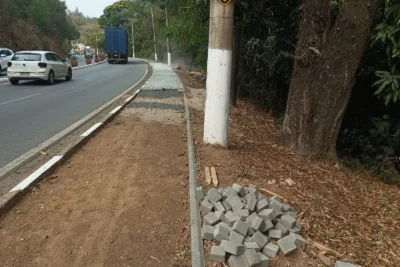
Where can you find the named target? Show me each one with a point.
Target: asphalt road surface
(33, 112)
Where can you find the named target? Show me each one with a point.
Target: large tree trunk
(329, 49)
(235, 64)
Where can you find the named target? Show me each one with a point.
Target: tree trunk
(235, 63)
(329, 49)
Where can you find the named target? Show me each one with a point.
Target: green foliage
(388, 85)
(371, 127)
(115, 15)
(374, 147)
(190, 30)
(269, 32)
(82, 23)
(49, 16)
(73, 58)
(384, 39)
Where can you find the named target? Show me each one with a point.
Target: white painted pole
(97, 46)
(168, 42)
(133, 44)
(216, 118)
(154, 34)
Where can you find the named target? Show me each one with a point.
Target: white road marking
(26, 157)
(19, 99)
(31, 178)
(115, 110)
(91, 129)
(135, 94)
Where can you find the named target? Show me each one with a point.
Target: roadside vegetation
(355, 122)
(356, 98)
(36, 24)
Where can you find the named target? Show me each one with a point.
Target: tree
(49, 16)
(332, 40)
(115, 15)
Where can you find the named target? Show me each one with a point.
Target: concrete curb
(197, 248)
(90, 65)
(22, 160)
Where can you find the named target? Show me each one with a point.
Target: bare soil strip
(122, 200)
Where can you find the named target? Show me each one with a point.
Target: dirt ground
(122, 200)
(350, 216)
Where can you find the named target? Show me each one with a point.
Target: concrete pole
(168, 42)
(97, 46)
(133, 44)
(219, 70)
(154, 34)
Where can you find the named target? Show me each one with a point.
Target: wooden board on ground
(208, 175)
(214, 176)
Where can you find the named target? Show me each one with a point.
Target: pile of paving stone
(245, 223)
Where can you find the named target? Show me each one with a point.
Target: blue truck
(116, 40)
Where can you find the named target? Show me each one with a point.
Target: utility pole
(154, 34)
(97, 46)
(168, 43)
(219, 70)
(133, 43)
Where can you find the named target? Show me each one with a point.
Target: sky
(91, 8)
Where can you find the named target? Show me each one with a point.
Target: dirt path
(353, 214)
(120, 201)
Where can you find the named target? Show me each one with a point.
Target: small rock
(344, 264)
(290, 182)
(325, 260)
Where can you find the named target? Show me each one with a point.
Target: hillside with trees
(36, 24)
(84, 24)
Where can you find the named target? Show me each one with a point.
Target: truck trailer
(116, 40)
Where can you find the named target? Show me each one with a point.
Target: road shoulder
(121, 200)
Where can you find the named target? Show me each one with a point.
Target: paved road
(32, 112)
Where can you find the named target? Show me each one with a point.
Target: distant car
(38, 65)
(5, 56)
(89, 55)
(71, 54)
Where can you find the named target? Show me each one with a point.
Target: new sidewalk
(122, 200)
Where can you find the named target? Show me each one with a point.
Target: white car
(38, 65)
(5, 56)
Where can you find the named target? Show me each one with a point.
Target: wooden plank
(214, 176)
(272, 193)
(208, 175)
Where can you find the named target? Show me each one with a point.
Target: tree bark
(235, 63)
(329, 49)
